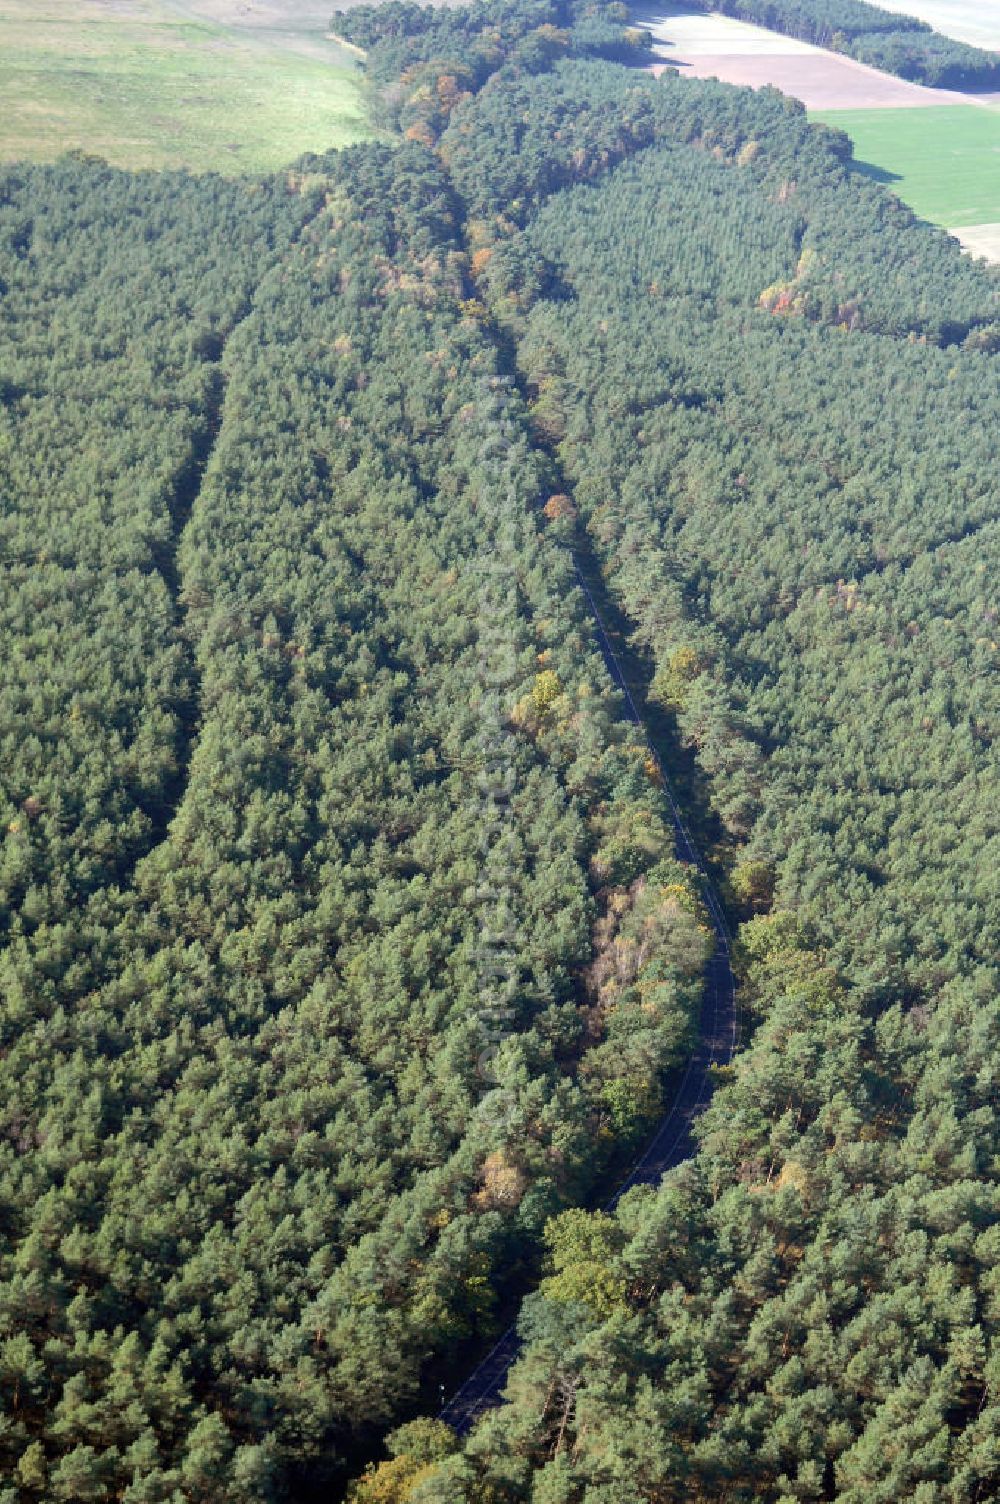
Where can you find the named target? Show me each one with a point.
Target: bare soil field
(694, 34)
(980, 240)
(822, 83)
(712, 46)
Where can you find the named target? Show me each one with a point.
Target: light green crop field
(206, 84)
(942, 161)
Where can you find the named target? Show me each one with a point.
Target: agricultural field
(946, 167)
(737, 52)
(205, 84)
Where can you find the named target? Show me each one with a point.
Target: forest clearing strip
(180, 506)
(718, 1029)
(187, 490)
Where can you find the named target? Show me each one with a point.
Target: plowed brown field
(711, 46)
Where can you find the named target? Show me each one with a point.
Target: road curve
(672, 1142)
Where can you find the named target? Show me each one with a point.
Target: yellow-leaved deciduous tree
(559, 505)
(752, 883)
(503, 1183)
(481, 259)
(420, 132)
(32, 1469)
(390, 1482)
(582, 1254)
(416, 1450)
(672, 678)
(543, 705)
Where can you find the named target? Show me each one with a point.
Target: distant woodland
(344, 954)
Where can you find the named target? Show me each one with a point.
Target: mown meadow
(159, 83)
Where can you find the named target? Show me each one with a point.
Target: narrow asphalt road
(672, 1142)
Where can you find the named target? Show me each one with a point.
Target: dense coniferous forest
(344, 951)
(881, 38)
(257, 1168)
(423, 61)
(792, 505)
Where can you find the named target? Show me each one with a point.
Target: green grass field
(158, 83)
(942, 161)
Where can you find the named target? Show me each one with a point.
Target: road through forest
(690, 1090)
